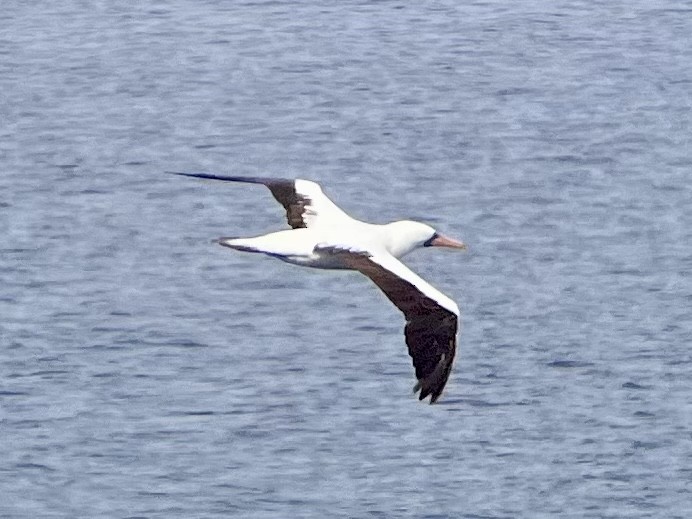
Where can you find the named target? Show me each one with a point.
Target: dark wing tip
(432, 384)
(432, 342)
(283, 190)
(267, 181)
(213, 176)
(183, 174)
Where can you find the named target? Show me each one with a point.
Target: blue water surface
(146, 372)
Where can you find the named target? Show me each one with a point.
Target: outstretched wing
(431, 317)
(305, 203)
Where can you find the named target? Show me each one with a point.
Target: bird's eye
(430, 241)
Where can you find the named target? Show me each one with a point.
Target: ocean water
(146, 372)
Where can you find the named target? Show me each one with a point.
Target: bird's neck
(398, 244)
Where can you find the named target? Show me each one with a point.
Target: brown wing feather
(430, 330)
(283, 189)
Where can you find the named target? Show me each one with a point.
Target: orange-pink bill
(444, 241)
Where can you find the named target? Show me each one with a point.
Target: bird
(323, 236)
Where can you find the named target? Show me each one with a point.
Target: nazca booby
(324, 236)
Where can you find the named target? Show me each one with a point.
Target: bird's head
(406, 235)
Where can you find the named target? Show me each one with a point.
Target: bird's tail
(242, 244)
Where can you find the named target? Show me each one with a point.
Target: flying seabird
(323, 236)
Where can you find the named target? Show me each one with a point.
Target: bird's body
(304, 246)
(323, 236)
